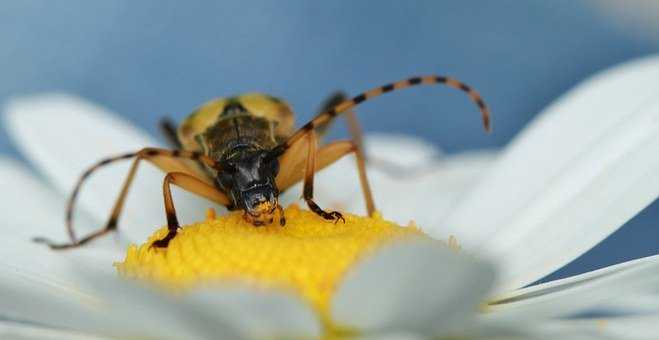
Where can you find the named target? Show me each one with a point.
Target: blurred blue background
(150, 59)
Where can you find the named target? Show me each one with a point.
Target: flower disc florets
(309, 255)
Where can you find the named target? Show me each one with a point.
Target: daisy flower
(580, 170)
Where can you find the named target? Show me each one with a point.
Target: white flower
(585, 166)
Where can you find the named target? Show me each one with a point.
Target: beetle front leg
(188, 183)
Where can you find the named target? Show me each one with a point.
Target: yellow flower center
(309, 255)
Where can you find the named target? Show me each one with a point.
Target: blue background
(149, 59)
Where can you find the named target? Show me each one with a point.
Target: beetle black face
(249, 178)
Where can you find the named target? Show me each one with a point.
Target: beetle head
(249, 177)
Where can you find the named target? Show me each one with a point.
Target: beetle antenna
(346, 105)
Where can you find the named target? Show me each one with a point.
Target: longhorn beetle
(243, 151)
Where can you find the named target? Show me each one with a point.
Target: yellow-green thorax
(221, 123)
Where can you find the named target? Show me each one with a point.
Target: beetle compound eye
(274, 165)
(229, 168)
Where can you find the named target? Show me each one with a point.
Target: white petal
(405, 151)
(579, 293)
(63, 135)
(30, 271)
(584, 167)
(40, 264)
(544, 330)
(637, 304)
(393, 336)
(118, 308)
(419, 287)
(426, 191)
(39, 285)
(24, 297)
(39, 213)
(137, 311)
(218, 311)
(428, 196)
(639, 327)
(635, 327)
(15, 331)
(258, 314)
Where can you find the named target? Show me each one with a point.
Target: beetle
(243, 151)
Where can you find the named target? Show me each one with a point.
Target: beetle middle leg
(330, 153)
(294, 165)
(357, 139)
(393, 169)
(164, 159)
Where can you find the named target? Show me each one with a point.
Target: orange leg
(189, 183)
(308, 182)
(163, 159)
